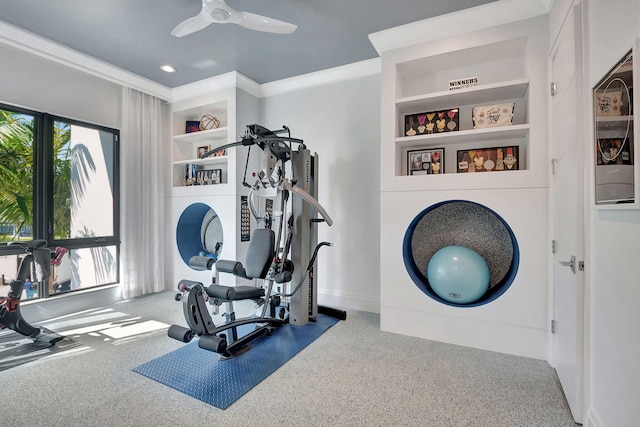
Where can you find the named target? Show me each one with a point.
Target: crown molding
(232, 79)
(461, 22)
(47, 49)
(240, 81)
(318, 78)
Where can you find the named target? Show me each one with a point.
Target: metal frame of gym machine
(300, 242)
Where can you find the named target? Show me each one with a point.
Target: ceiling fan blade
(262, 23)
(191, 25)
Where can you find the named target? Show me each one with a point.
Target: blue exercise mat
(202, 374)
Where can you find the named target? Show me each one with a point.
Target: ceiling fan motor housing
(220, 15)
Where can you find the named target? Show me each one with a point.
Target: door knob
(571, 264)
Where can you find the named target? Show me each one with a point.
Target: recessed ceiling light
(168, 68)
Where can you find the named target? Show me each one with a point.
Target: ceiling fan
(217, 11)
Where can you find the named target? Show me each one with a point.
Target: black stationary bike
(10, 316)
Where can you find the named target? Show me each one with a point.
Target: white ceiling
(134, 35)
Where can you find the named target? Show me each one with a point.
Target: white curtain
(144, 131)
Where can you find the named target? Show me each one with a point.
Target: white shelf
(473, 95)
(201, 136)
(517, 134)
(465, 136)
(213, 160)
(614, 119)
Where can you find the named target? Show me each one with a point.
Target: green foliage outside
(17, 171)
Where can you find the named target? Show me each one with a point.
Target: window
(59, 182)
(16, 175)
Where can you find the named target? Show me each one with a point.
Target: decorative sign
(463, 83)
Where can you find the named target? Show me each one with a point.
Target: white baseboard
(469, 332)
(349, 301)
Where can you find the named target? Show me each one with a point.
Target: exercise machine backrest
(260, 253)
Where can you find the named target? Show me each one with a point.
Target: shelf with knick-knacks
(199, 128)
(477, 119)
(188, 149)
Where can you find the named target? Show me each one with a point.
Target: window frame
(43, 187)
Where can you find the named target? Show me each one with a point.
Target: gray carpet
(353, 375)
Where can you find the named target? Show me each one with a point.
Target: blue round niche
(468, 224)
(199, 232)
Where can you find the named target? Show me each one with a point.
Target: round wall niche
(468, 224)
(199, 232)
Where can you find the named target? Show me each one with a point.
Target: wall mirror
(613, 134)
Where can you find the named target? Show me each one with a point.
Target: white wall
(612, 27)
(39, 84)
(341, 122)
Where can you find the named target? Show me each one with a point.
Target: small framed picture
(193, 126)
(488, 159)
(425, 162)
(202, 149)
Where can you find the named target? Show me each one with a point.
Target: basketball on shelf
(458, 274)
(209, 121)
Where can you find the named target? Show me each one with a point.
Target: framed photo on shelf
(488, 159)
(432, 122)
(202, 149)
(427, 161)
(192, 126)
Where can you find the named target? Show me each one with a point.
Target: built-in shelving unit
(234, 109)
(454, 74)
(487, 90)
(186, 145)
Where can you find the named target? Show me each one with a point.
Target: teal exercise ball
(458, 274)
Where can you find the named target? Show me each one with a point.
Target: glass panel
(613, 111)
(83, 182)
(8, 272)
(16, 176)
(9, 267)
(84, 268)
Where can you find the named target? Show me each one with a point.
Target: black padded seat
(234, 293)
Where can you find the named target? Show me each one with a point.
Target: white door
(569, 157)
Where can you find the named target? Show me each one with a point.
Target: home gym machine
(35, 264)
(281, 253)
